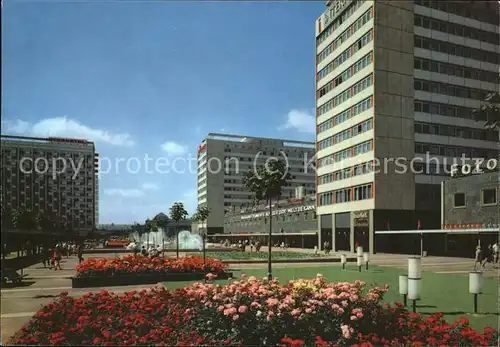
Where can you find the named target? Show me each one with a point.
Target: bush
(140, 264)
(246, 312)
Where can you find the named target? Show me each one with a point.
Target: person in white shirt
(495, 253)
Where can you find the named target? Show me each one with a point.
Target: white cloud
(190, 193)
(17, 127)
(132, 192)
(150, 186)
(301, 121)
(173, 148)
(65, 127)
(125, 193)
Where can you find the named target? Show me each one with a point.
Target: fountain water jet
(190, 241)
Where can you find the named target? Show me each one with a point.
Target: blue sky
(151, 78)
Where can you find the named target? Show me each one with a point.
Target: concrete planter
(138, 279)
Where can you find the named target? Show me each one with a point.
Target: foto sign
(477, 168)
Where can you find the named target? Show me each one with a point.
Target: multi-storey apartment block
(37, 174)
(223, 160)
(396, 84)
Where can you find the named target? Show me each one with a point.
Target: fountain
(190, 241)
(155, 238)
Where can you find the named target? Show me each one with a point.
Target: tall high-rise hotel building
(398, 79)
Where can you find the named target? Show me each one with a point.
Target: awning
(439, 231)
(265, 234)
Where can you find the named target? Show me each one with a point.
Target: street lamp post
(204, 237)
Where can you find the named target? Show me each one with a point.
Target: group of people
(152, 251)
(489, 255)
(52, 256)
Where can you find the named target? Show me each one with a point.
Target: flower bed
(129, 270)
(246, 312)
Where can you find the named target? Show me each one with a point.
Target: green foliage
(489, 112)
(201, 214)
(151, 225)
(161, 220)
(27, 220)
(46, 223)
(177, 212)
(267, 181)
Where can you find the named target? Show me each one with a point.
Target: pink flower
(235, 317)
(242, 309)
(359, 315)
(220, 308)
(230, 311)
(295, 312)
(308, 310)
(345, 331)
(354, 317)
(272, 302)
(255, 304)
(344, 303)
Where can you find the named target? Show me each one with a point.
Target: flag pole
(421, 240)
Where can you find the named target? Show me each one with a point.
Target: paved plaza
(43, 285)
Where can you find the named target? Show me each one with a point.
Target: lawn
(236, 255)
(445, 293)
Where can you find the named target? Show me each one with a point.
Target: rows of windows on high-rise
(345, 55)
(345, 95)
(345, 115)
(454, 151)
(456, 29)
(345, 35)
(346, 74)
(362, 192)
(357, 170)
(346, 134)
(456, 70)
(483, 11)
(351, 152)
(456, 50)
(348, 12)
(451, 89)
(456, 131)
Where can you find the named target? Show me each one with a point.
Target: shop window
(489, 196)
(459, 200)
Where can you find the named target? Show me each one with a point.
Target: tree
(10, 219)
(266, 183)
(45, 222)
(27, 220)
(162, 221)
(489, 112)
(177, 213)
(201, 216)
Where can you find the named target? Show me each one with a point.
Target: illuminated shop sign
(280, 212)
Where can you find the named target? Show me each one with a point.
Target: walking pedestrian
(57, 258)
(80, 254)
(495, 254)
(488, 256)
(478, 257)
